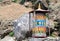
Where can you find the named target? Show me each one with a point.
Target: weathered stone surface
(8, 38)
(54, 1)
(55, 7)
(21, 26)
(5, 28)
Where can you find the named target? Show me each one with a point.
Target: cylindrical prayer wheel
(39, 23)
(39, 30)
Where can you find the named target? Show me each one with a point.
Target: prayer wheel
(39, 22)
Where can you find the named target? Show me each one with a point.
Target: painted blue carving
(40, 22)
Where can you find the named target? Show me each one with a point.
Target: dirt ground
(13, 11)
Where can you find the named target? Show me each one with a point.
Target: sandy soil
(13, 11)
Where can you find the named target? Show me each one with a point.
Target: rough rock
(5, 28)
(6, 25)
(8, 38)
(21, 26)
(55, 7)
(54, 1)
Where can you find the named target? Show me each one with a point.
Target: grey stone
(8, 38)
